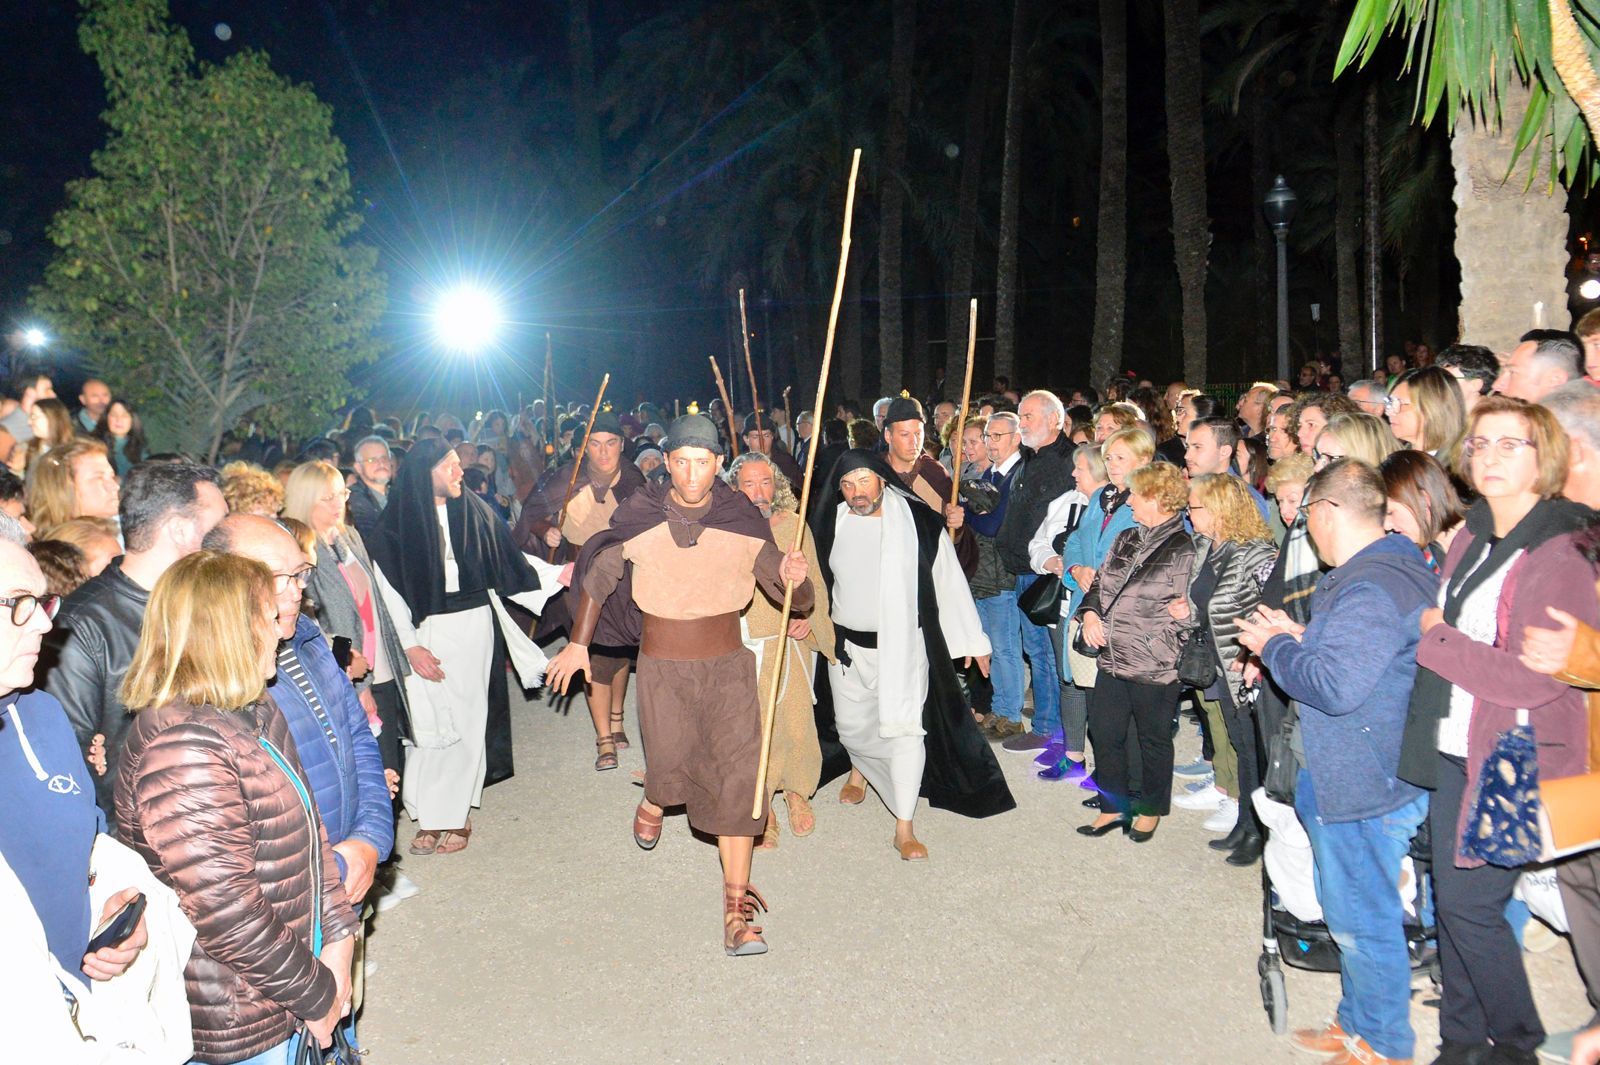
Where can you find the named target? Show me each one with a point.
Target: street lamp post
(1279, 207)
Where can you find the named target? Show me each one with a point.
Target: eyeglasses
(23, 606)
(281, 581)
(1393, 405)
(375, 460)
(338, 496)
(1323, 456)
(1506, 445)
(1324, 499)
(997, 436)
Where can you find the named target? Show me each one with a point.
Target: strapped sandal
(740, 905)
(618, 736)
(802, 822)
(647, 827)
(447, 840)
(769, 835)
(912, 851)
(425, 842)
(605, 758)
(853, 794)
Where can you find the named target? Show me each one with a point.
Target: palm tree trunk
(891, 199)
(1005, 303)
(849, 339)
(580, 56)
(1186, 157)
(1372, 219)
(960, 284)
(1347, 240)
(1511, 241)
(1111, 229)
(1266, 251)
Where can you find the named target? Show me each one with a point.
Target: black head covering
(828, 500)
(607, 422)
(409, 549)
(693, 430)
(750, 425)
(902, 409)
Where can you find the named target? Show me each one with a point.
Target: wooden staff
(749, 367)
(771, 710)
(794, 433)
(966, 394)
(727, 405)
(677, 409)
(577, 460)
(549, 399)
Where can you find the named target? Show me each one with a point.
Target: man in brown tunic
(759, 438)
(903, 432)
(694, 551)
(604, 481)
(795, 763)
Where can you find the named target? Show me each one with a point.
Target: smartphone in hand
(118, 927)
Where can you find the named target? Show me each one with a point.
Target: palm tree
(891, 200)
(964, 248)
(1005, 303)
(1111, 232)
(1186, 156)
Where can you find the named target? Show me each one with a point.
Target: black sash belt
(865, 640)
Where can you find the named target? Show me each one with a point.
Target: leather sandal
(605, 753)
(425, 842)
(769, 835)
(912, 851)
(447, 840)
(740, 905)
(802, 822)
(618, 736)
(646, 827)
(853, 794)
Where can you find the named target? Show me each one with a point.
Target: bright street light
(1590, 289)
(466, 319)
(34, 337)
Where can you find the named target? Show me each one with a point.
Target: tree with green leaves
(206, 267)
(1523, 73)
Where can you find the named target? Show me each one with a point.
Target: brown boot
(740, 904)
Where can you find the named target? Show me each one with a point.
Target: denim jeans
(1074, 700)
(282, 1054)
(1041, 654)
(998, 613)
(1358, 868)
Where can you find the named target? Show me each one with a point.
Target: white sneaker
(1192, 786)
(1206, 798)
(402, 888)
(1224, 819)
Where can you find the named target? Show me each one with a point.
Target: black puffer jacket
(84, 659)
(1045, 475)
(1142, 638)
(1240, 570)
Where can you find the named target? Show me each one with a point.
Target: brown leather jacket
(1142, 639)
(223, 825)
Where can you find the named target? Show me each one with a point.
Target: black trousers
(387, 698)
(1242, 734)
(1114, 704)
(1486, 994)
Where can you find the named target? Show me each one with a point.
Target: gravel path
(553, 938)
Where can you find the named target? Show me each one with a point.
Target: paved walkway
(553, 938)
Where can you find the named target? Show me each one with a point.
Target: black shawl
(961, 774)
(410, 551)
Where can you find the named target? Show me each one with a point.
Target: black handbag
(1197, 666)
(341, 1053)
(1041, 602)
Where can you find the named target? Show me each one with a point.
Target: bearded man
(795, 765)
(604, 481)
(759, 439)
(901, 612)
(674, 571)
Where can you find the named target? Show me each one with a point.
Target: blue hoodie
(1352, 671)
(48, 819)
(337, 749)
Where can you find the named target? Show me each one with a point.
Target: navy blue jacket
(48, 819)
(1352, 672)
(337, 749)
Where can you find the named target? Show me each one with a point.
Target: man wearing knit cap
(758, 437)
(903, 432)
(678, 564)
(604, 481)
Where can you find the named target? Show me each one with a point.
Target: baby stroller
(1309, 944)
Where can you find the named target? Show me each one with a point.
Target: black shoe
(1105, 829)
(1231, 840)
(1462, 1053)
(1508, 1055)
(1141, 837)
(1248, 852)
(1092, 803)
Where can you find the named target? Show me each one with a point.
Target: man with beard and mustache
(902, 612)
(677, 566)
(604, 481)
(796, 760)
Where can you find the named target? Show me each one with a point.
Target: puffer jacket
(223, 824)
(1241, 569)
(1142, 638)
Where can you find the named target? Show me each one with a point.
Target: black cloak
(961, 773)
(408, 548)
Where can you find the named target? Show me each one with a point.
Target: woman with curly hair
(249, 489)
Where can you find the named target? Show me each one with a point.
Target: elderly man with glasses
(370, 494)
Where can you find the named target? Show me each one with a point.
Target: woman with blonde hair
(212, 795)
(1286, 482)
(74, 480)
(249, 489)
(1234, 556)
(1426, 411)
(52, 426)
(1354, 436)
(347, 590)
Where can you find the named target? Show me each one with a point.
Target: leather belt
(690, 639)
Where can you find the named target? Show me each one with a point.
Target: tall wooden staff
(577, 460)
(794, 433)
(749, 367)
(966, 395)
(771, 708)
(549, 400)
(727, 405)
